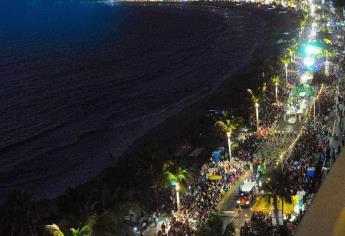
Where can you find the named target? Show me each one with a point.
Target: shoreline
(55, 184)
(186, 125)
(190, 125)
(133, 181)
(232, 85)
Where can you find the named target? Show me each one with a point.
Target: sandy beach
(180, 123)
(191, 126)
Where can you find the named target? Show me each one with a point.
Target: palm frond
(53, 230)
(85, 230)
(74, 232)
(168, 179)
(227, 123)
(253, 97)
(276, 79)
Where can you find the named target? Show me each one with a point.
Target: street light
(255, 100)
(276, 80)
(177, 188)
(228, 134)
(257, 115)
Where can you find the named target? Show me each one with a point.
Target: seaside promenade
(277, 149)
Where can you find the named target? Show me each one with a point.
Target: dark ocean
(80, 81)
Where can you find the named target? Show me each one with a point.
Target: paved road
(270, 149)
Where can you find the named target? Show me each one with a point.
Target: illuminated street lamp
(276, 80)
(255, 100)
(327, 66)
(286, 73)
(177, 188)
(327, 54)
(228, 135)
(257, 115)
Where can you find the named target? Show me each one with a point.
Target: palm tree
(111, 207)
(150, 166)
(292, 51)
(255, 99)
(276, 81)
(282, 176)
(85, 230)
(270, 195)
(177, 177)
(75, 208)
(286, 61)
(327, 54)
(227, 124)
(215, 227)
(278, 186)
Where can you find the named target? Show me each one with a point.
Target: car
(245, 199)
(246, 195)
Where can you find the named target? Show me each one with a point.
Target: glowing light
(310, 49)
(308, 61)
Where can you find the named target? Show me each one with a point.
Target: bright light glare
(308, 61)
(310, 49)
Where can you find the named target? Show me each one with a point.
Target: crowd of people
(259, 224)
(217, 178)
(270, 108)
(313, 150)
(202, 198)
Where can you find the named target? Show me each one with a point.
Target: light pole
(327, 66)
(286, 73)
(228, 134)
(255, 100)
(275, 81)
(257, 115)
(177, 188)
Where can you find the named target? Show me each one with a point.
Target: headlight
(238, 201)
